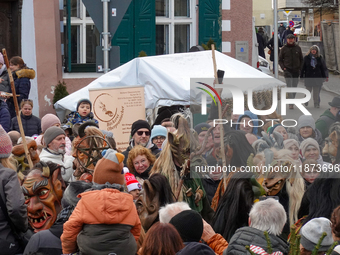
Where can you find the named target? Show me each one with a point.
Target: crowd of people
(71, 191)
(311, 68)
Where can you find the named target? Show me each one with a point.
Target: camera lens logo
(204, 98)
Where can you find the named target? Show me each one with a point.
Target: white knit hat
(312, 231)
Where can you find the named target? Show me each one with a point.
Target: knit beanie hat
(289, 142)
(312, 231)
(138, 125)
(2, 61)
(51, 133)
(5, 144)
(131, 182)
(84, 100)
(271, 130)
(48, 121)
(189, 225)
(158, 130)
(306, 121)
(308, 142)
(109, 168)
(201, 127)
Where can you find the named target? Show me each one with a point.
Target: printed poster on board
(116, 109)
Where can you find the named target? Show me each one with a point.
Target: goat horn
(46, 172)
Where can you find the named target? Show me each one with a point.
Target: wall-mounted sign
(242, 51)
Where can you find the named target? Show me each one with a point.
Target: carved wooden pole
(15, 100)
(224, 162)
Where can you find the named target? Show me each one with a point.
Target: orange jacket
(106, 206)
(218, 244)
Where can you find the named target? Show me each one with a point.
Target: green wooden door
(137, 31)
(124, 36)
(210, 22)
(145, 27)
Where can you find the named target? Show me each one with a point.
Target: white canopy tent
(166, 78)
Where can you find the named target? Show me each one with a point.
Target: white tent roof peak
(166, 78)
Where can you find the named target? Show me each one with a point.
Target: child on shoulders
(82, 115)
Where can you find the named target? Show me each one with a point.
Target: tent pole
(224, 162)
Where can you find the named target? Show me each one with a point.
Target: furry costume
(172, 163)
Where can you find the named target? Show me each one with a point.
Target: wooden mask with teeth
(43, 190)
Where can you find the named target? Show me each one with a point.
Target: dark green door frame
(210, 22)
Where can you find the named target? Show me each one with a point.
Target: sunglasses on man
(140, 133)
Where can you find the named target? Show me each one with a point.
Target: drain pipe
(275, 42)
(106, 35)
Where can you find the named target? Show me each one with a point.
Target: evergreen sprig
(269, 244)
(250, 251)
(317, 247)
(60, 92)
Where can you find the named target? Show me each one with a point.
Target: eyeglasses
(161, 138)
(27, 100)
(140, 133)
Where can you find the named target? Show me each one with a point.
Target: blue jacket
(74, 118)
(254, 123)
(5, 116)
(22, 85)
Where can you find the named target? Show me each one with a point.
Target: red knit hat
(5, 144)
(131, 182)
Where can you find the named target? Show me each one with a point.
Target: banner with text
(116, 109)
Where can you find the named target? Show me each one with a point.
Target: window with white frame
(175, 26)
(84, 35)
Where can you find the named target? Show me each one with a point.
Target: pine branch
(331, 248)
(269, 244)
(292, 239)
(317, 247)
(248, 249)
(297, 245)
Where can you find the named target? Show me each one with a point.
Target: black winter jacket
(45, 242)
(5, 116)
(252, 236)
(291, 58)
(31, 125)
(210, 187)
(270, 45)
(11, 194)
(314, 76)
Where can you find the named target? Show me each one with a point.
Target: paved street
(329, 90)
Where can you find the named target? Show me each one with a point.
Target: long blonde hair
(166, 166)
(295, 186)
(6, 162)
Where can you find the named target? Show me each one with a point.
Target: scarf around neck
(313, 60)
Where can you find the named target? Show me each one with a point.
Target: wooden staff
(224, 162)
(15, 100)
